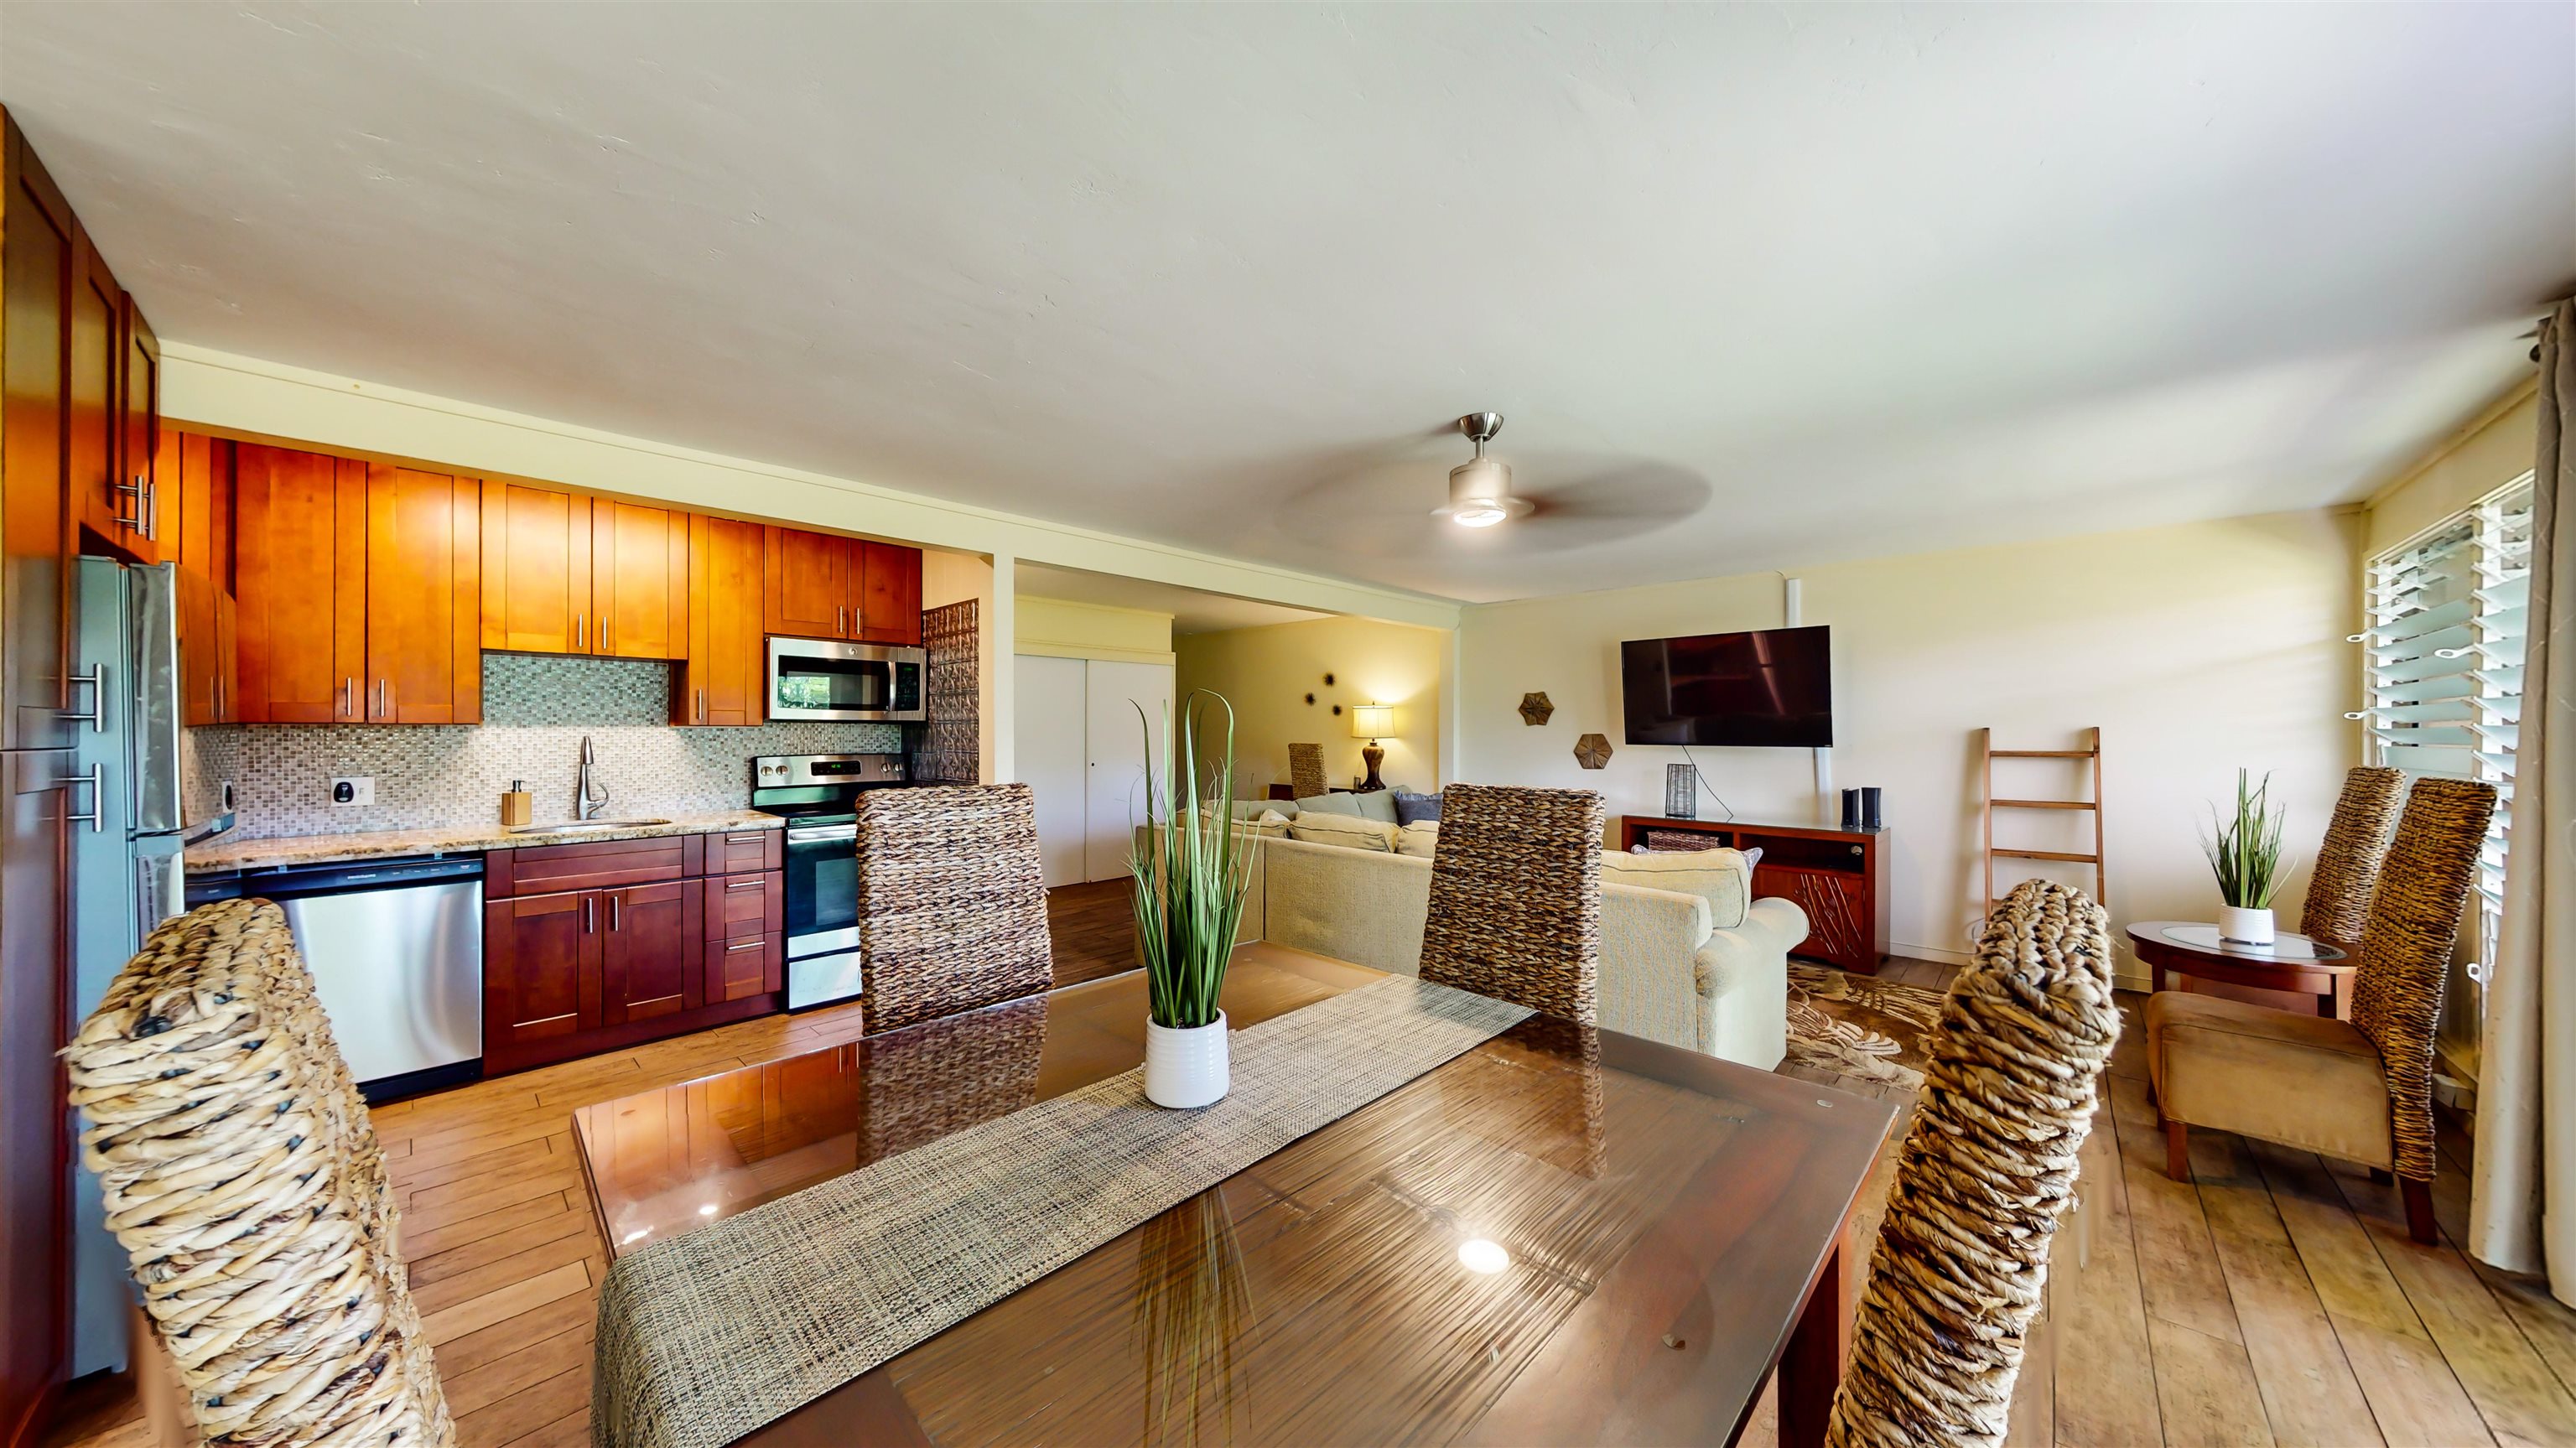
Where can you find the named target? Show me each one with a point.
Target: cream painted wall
(2196, 648)
(1060, 628)
(2489, 453)
(1267, 672)
(949, 577)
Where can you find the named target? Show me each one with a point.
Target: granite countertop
(226, 853)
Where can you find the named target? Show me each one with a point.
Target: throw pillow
(1414, 808)
(1377, 804)
(1422, 837)
(1721, 877)
(1340, 804)
(1348, 831)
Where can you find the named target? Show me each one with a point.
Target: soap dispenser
(518, 806)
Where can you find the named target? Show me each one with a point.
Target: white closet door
(1118, 745)
(1047, 736)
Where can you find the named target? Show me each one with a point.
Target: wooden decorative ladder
(1986, 739)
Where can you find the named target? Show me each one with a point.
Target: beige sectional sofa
(1667, 973)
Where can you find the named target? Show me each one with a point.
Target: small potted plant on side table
(1191, 866)
(2245, 853)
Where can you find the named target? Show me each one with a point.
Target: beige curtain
(2522, 1207)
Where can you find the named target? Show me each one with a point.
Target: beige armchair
(2358, 1090)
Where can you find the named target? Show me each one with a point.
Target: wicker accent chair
(1515, 909)
(242, 1175)
(1987, 1169)
(2347, 867)
(952, 904)
(1306, 770)
(2358, 1090)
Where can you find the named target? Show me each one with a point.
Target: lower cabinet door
(753, 965)
(541, 971)
(650, 937)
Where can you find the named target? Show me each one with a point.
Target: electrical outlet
(361, 790)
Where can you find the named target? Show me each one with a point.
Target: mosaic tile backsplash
(535, 711)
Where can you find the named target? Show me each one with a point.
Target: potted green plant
(1191, 866)
(2245, 853)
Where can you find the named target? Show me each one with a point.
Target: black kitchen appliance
(817, 794)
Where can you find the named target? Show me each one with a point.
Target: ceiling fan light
(1477, 513)
(1485, 480)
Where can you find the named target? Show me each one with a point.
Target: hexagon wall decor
(1592, 751)
(1535, 708)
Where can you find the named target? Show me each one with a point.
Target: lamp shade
(1372, 721)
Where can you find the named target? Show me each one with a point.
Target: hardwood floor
(2275, 1299)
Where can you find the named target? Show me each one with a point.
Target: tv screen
(1769, 687)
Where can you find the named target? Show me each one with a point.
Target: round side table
(2291, 962)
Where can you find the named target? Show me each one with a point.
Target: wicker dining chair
(1306, 770)
(241, 1173)
(952, 902)
(1987, 1169)
(1515, 909)
(2347, 867)
(2358, 1090)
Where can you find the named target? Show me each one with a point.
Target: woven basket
(242, 1175)
(1986, 1171)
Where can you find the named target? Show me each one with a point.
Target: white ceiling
(1756, 285)
(1193, 611)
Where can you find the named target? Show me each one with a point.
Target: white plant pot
(1185, 1066)
(2244, 927)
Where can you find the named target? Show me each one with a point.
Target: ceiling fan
(1480, 489)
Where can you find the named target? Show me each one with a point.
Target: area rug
(1859, 1025)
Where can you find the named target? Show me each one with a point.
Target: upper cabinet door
(424, 590)
(639, 572)
(138, 439)
(300, 566)
(890, 593)
(722, 681)
(806, 584)
(36, 268)
(107, 513)
(536, 570)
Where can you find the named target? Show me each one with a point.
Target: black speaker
(1851, 809)
(1869, 817)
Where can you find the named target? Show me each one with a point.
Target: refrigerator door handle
(95, 676)
(97, 797)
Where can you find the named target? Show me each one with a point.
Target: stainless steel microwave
(829, 679)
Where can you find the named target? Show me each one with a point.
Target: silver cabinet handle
(132, 490)
(701, 715)
(97, 798)
(96, 677)
(745, 945)
(742, 839)
(745, 885)
(589, 925)
(349, 698)
(581, 631)
(380, 699)
(150, 522)
(616, 917)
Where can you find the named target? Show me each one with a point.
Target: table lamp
(1369, 722)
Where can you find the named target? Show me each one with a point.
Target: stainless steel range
(817, 794)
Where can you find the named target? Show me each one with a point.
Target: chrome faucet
(587, 796)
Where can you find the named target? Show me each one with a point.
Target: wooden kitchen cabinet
(41, 243)
(723, 680)
(821, 585)
(300, 562)
(536, 569)
(541, 976)
(197, 516)
(424, 597)
(651, 961)
(138, 448)
(639, 580)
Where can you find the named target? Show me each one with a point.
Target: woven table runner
(710, 1335)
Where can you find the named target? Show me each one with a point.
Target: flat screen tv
(1769, 687)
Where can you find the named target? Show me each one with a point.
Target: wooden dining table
(1566, 1235)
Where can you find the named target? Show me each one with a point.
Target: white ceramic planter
(2244, 927)
(1185, 1067)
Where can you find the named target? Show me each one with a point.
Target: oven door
(822, 897)
(827, 679)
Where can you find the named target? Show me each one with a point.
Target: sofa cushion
(1376, 804)
(2306, 1081)
(1339, 804)
(1421, 838)
(1411, 809)
(1348, 831)
(1721, 877)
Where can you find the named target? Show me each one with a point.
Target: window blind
(2442, 663)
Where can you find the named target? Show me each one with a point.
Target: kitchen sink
(567, 827)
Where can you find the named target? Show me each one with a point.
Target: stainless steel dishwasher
(396, 951)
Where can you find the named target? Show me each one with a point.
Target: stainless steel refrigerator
(129, 824)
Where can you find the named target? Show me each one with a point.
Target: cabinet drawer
(738, 851)
(591, 865)
(753, 965)
(741, 905)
